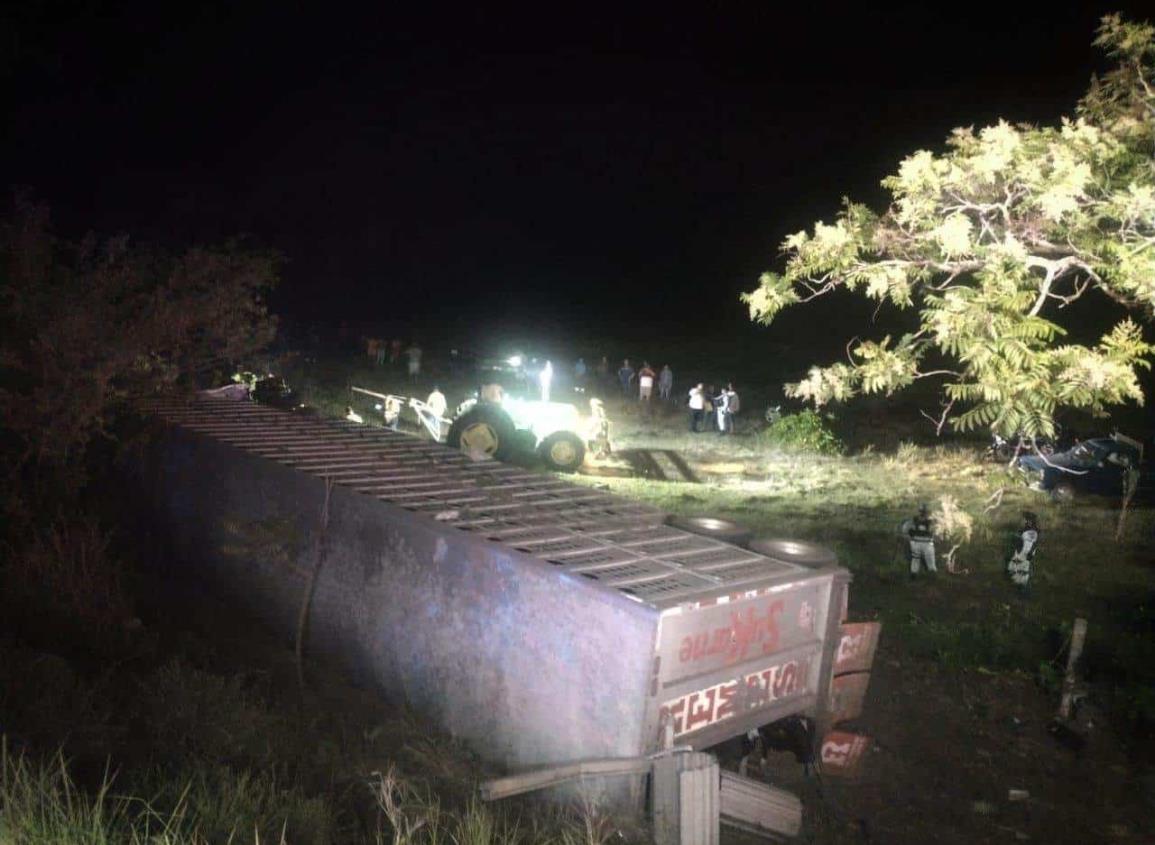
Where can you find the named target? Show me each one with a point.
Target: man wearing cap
(1026, 544)
(919, 533)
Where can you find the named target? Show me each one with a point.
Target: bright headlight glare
(514, 361)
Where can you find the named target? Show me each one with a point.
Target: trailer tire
(563, 451)
(484, 428)
(713, 527)
(799, 552)
(1063, 492)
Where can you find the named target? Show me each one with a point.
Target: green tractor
(506, 428)
(556, 431)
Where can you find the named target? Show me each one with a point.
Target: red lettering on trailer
(725, 708)
(701, 708)
(709, 706)
(748, 628)
(785, 680)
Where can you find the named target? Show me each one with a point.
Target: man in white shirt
(645, 382)
(431, 412)
(697, 407)
(436, 402)
(546, 379)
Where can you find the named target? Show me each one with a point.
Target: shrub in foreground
(806, 431)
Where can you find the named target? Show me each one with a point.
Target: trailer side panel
(476, 636)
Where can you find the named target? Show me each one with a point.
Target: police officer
(919, 532)
(1026, 544)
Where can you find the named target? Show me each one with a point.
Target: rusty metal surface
(847, 693)
(614, 542)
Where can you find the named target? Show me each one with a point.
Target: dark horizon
(608, 173)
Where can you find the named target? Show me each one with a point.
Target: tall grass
(42, 804)
(415, 817)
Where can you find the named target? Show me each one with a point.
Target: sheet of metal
(533, 512)
(465, 631)
(847, 693)
(757, 807)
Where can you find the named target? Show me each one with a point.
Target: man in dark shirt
(919, 532)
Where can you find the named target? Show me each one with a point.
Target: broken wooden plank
(506, 787)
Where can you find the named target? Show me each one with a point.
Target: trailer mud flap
(841, 754)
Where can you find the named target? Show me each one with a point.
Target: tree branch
(1044, 292)
(941, 421)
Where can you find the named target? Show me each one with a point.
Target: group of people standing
(722, 407)
(640, 382)
(380, 352)
(709, 410)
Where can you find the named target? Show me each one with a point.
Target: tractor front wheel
(563, 451)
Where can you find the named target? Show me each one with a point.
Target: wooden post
(1078, 635)
(684, 792)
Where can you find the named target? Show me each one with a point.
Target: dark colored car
(1096, 467)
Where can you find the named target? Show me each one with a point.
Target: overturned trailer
(538, 620)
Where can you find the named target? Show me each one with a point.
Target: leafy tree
(86, 326)
(990, 241)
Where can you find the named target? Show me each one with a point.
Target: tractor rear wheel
(485, 429)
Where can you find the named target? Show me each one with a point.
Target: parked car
(1097, 467)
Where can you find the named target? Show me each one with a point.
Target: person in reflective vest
(1026, 544)
(919, 531)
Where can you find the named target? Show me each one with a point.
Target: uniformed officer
(1023, 554)
(919, 532)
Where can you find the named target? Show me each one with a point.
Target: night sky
(571, 168)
